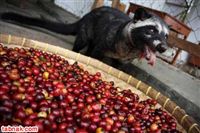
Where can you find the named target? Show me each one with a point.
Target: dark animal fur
(102, 30)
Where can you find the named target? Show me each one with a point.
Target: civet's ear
(141, 14)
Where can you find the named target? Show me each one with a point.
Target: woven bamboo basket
(121, 79)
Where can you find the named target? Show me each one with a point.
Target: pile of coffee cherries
(44, 90)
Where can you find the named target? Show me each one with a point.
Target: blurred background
(187, 11)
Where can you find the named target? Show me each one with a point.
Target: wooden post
(176, 57)
(177, 54)
(184, 45)
(97, 3)
(115, 3)
(122, 7)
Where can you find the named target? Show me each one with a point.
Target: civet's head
(149, 33)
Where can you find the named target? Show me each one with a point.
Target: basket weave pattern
(110, 73)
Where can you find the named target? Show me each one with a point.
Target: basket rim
(187, 122)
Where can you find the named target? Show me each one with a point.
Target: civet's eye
(152, 30)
